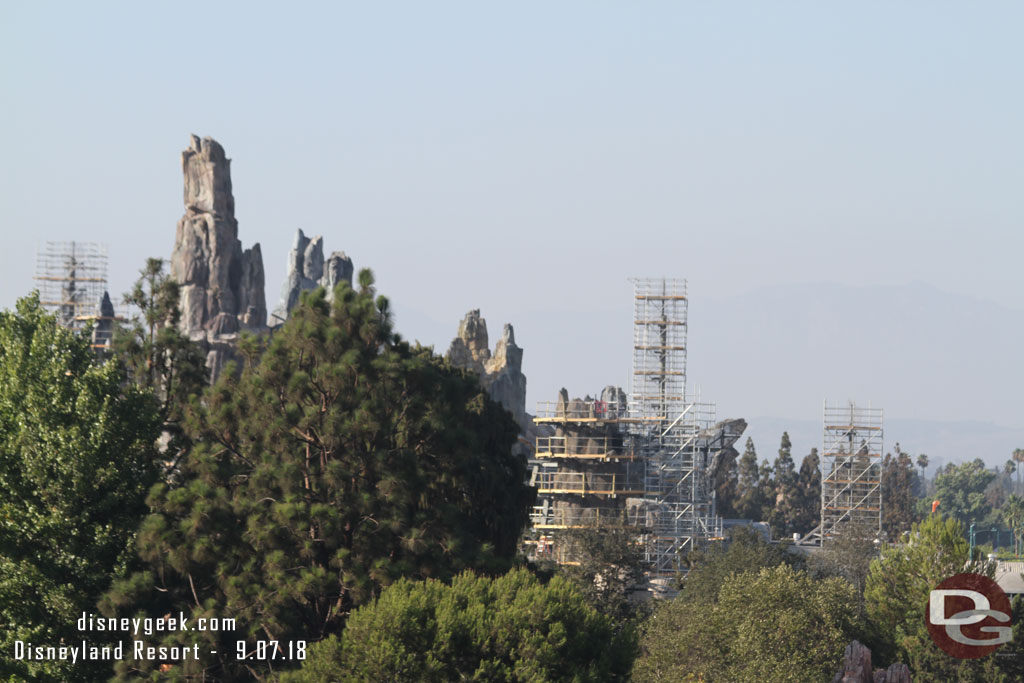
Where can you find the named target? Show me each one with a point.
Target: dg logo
(969, 616)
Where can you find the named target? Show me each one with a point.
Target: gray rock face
(222, 285)
(307, 269)
(104, 330)
(857, 668)
(501, 374)
(718, 441)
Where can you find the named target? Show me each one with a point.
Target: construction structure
(585, 471)
(72, 281)
(645, 463)
(671, 433)
(851, 469)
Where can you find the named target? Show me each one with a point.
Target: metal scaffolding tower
(642, 462)
(669, 431)
(72, 281)
(851, 467)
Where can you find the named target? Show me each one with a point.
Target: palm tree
(1013, 515)
(922, 462)
(1018, 456)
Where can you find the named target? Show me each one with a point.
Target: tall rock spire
(222, 285)
(501, 373)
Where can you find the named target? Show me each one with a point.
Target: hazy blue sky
(528, 159)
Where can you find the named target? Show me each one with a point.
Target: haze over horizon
(840, 185)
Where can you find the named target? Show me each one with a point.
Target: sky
(529, 158)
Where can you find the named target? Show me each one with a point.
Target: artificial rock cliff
(501, 374)
(856, 668)
(308, 269)
(222, 285)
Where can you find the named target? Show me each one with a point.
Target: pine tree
(341, 461)
(899, 491)
(751, 497)
(807, 513)
(767, 491)
(157, 356)
(786, 501)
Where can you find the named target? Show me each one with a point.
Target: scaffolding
(72, 281)
(642, 462)
(851, 466)
(583, 472)
(671, 433)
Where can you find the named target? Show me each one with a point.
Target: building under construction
(851, 469)
(72, 281)
(647, 462)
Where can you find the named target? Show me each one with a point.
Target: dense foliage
(746, 551)
(512, 628)
(608, 568)
(76, 459)
(896, 594)
(777, 624)
(340, 460)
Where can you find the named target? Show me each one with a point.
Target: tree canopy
(76, 459)
(777, 624)
(511, 628)
(339, 460)
(896, 595)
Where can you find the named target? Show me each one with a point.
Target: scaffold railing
(584, 447)
(589, 484)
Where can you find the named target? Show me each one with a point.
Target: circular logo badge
(969, 616)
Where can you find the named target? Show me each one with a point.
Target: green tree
(1012, 515)
(899, 491)
(511, 628)
(961, 492)
(341, 461)
(786, 504)
(1018, 457)
(745, 551)
(751, 498)
(922, 462)
(76, 459)
(807, 511)
(904, 576)
(777, 624)
(847, 554)
(157, 356)
(609, 568)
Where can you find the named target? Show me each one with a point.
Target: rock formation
(719, 440)
(222, 286)
(307, 269)
(103, 333)
(502, 373)
(857, 668)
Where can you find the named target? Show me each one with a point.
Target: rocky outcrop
(718, 441)
(222, 285)
(501, 373)
(857, 668)
(103, 332)
(307, 269)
